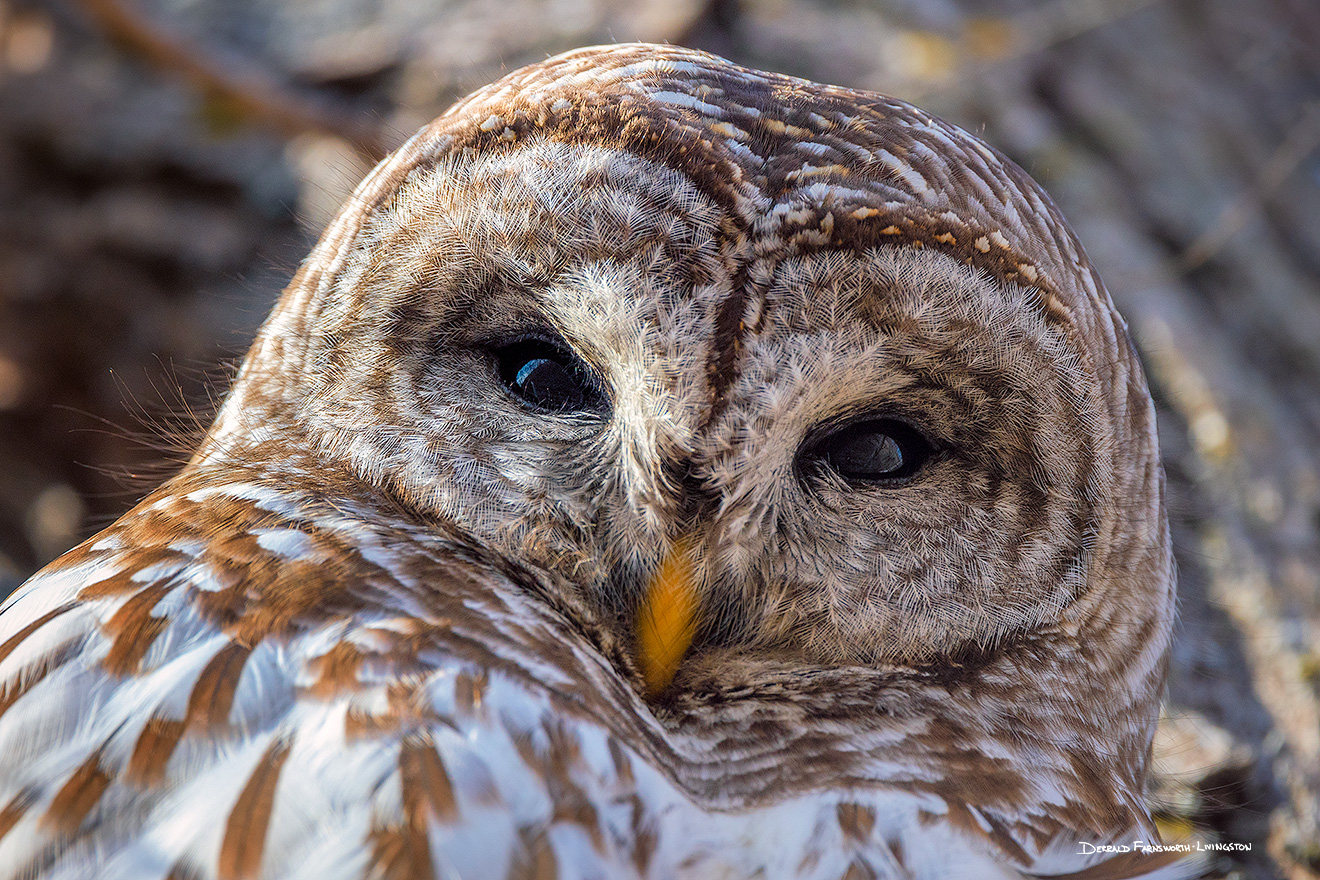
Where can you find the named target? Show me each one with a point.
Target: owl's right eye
(548, 377)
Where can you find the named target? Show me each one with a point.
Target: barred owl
(659, 468)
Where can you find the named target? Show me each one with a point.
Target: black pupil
(880, 449)
(547, 376)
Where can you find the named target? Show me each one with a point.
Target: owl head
(838, 364)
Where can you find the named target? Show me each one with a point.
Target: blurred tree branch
(245, 89)
(1300, 142)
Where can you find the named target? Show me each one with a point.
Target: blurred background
(165, 164)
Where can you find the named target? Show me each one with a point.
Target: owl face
(879, 454)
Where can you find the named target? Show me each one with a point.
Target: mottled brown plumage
(833, 367)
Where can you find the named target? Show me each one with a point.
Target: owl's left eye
(548, 376)
(870, 450)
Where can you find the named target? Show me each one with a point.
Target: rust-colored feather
(14, 810)
(403, 852)
(34, 675)
(209, 703)
(537, 860)
(400, 853)
(78, 796)
(859, 870)
(133, 629)
(427, 787)
(213, 695)
(244, 842)
(856, 821)
(152, 751)
(337, 671)
(17, 638)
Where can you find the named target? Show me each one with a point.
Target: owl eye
(873, 450)
(548, 377)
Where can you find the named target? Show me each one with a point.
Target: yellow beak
(667, 618)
